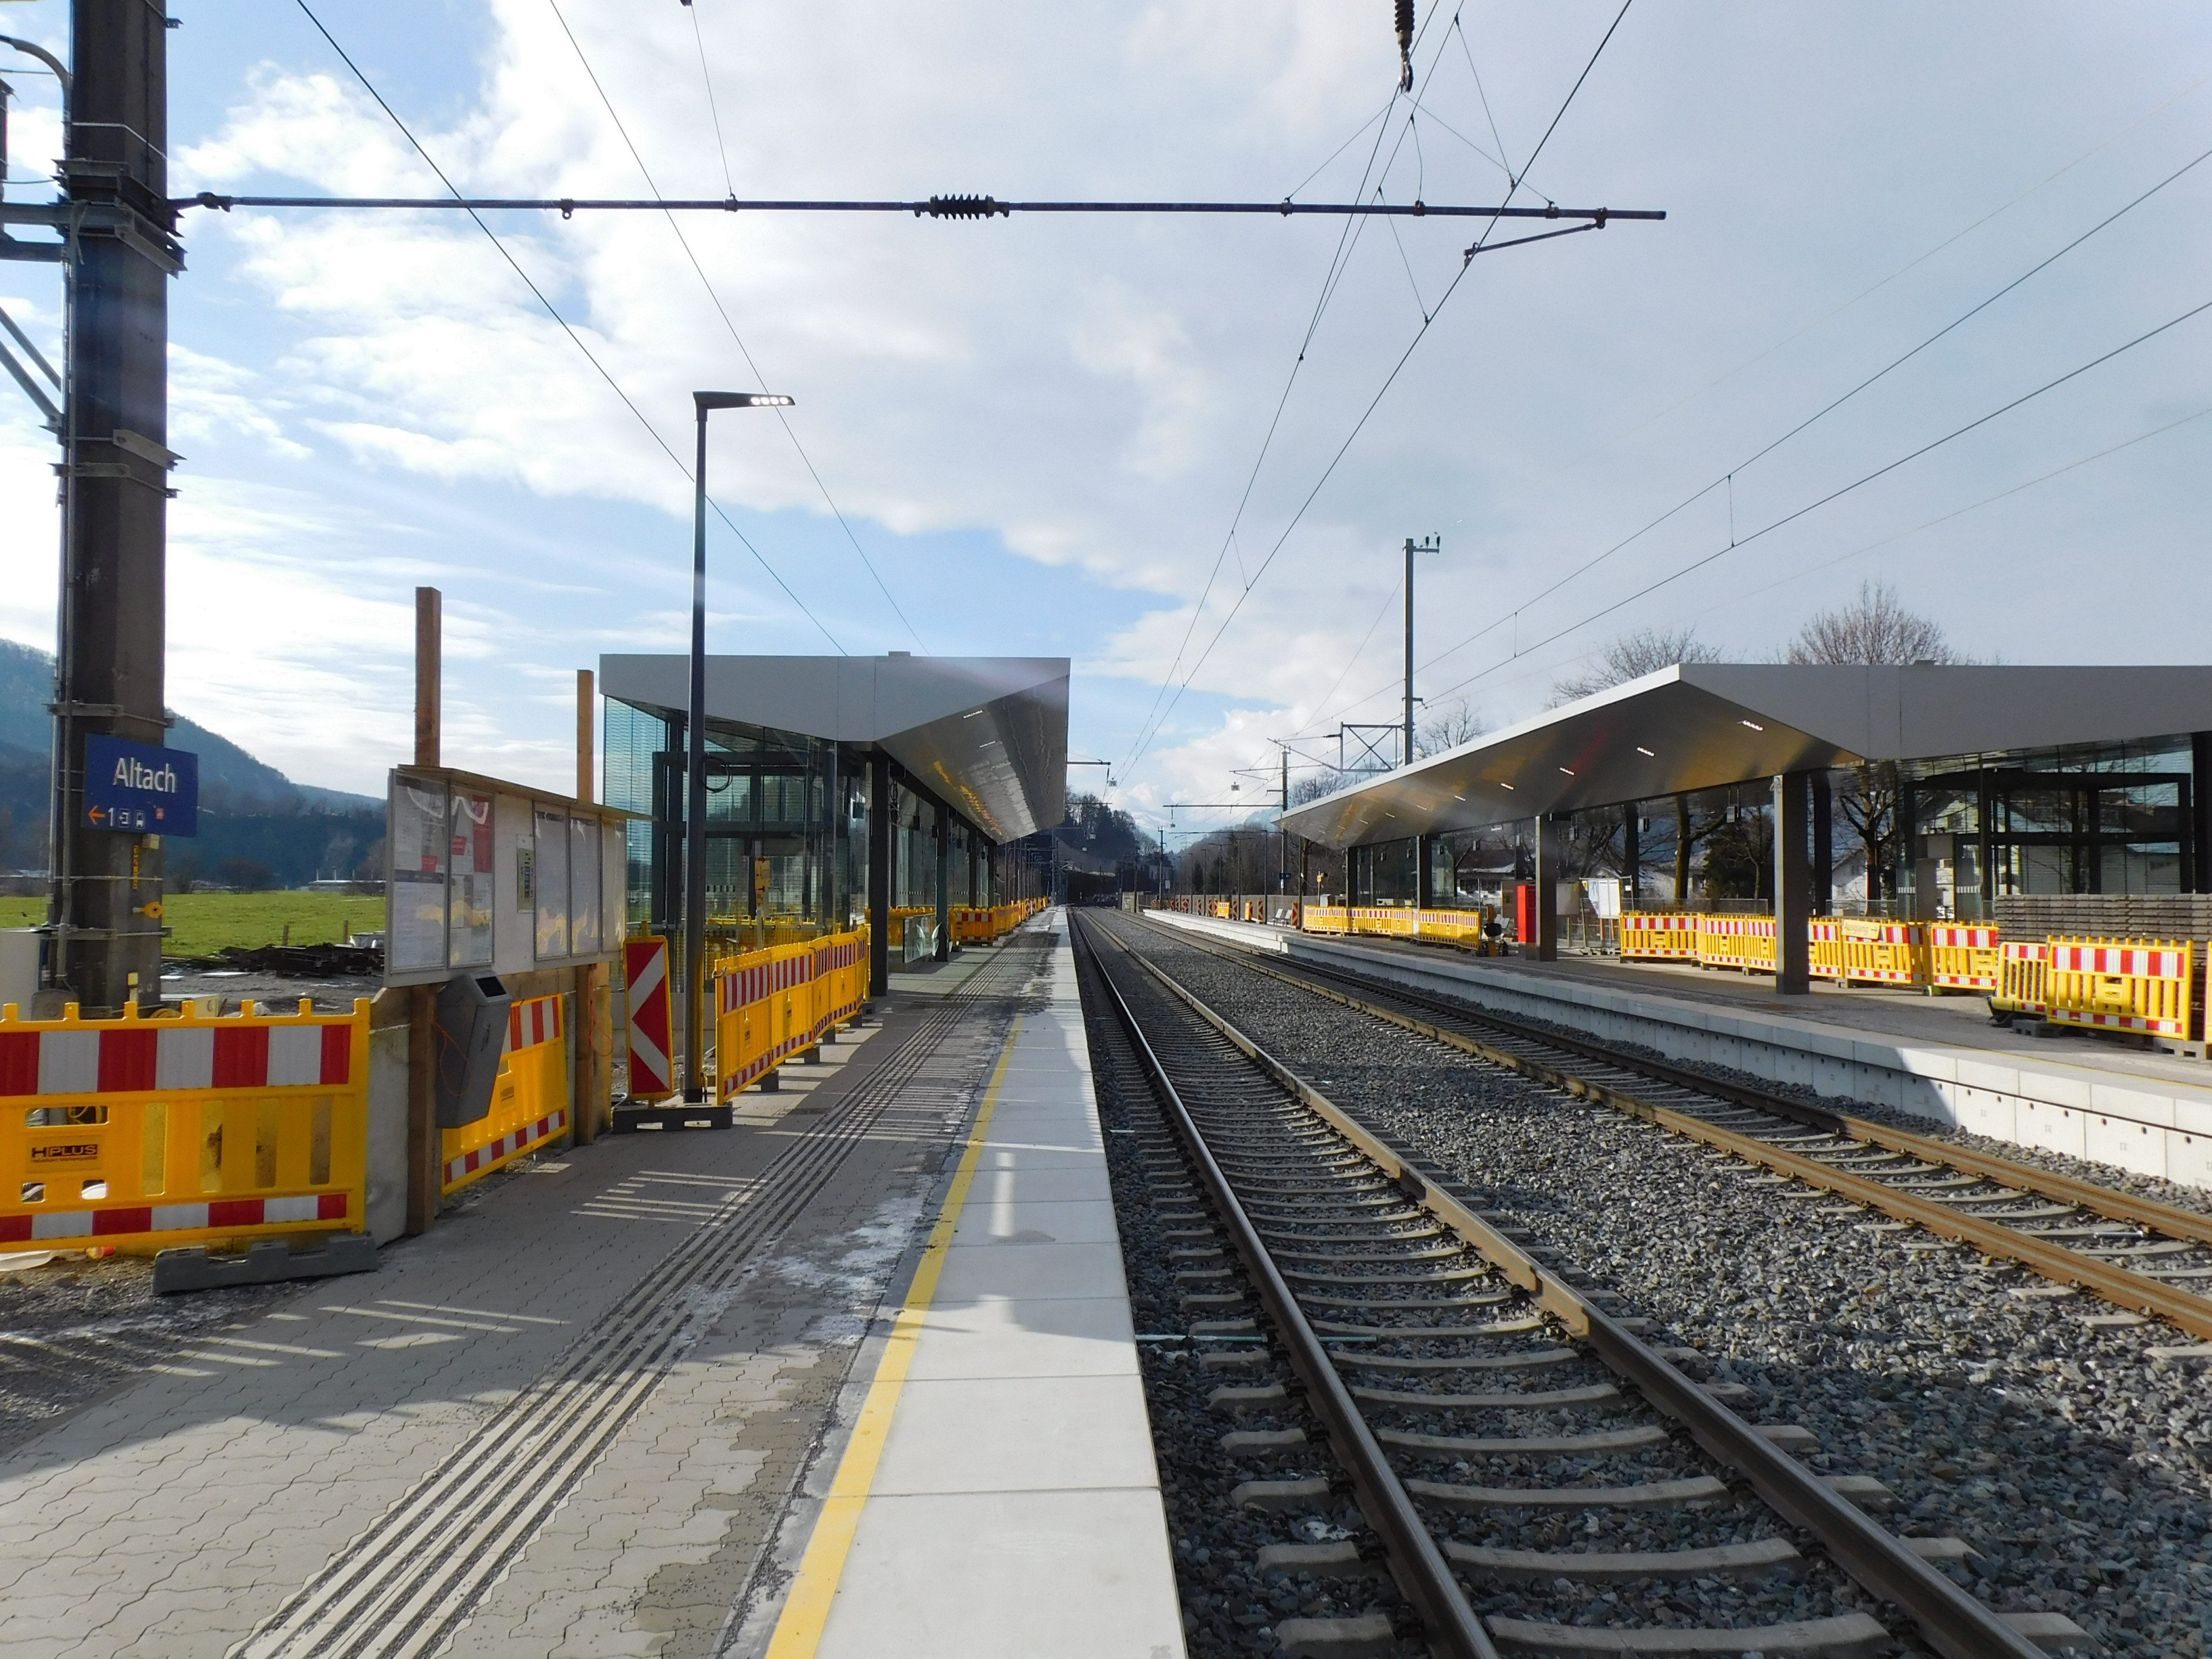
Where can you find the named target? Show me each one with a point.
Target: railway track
(1528, 1474)
(2141, 1255)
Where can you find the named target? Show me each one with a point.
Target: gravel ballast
(2078, 1468)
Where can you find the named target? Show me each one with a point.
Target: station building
(841, 790)
(1927, 791)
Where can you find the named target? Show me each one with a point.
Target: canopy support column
(881, 810)
(1550, 846)
(1792, 884)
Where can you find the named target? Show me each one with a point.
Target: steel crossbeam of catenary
(934, 206)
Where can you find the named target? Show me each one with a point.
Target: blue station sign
(141, 787)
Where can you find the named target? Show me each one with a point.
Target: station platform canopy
(986, 735)
(1703, 726)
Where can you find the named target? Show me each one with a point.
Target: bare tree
(1631, 656)
(1448, 725)
(1868, 803)
(1876, 628)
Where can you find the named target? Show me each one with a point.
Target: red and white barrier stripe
(760, 981)
(107, 1221)
(2134, 960)
(513, 1141)
(1963, 937)
(529, 1024)
(137, 1059)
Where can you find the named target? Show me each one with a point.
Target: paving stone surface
(178, 1514)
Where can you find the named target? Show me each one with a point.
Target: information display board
(468, 929)
(585, 871)
(415, 834)
(552, 885)
(487, 875)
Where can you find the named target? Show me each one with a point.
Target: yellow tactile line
(806, 1609)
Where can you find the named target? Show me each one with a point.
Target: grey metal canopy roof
(987, 735)
(1699, 725)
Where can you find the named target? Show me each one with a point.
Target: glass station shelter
(1954, 787)
(841, 790)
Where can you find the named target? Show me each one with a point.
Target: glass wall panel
(786, 825)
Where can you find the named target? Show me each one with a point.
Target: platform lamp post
(694, 786)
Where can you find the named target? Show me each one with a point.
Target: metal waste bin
(471, 1026)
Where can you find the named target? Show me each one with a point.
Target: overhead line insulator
(964, 207)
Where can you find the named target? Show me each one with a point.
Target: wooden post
(594, 1101)
(428, 713)
(586, 791)
(423, 1173)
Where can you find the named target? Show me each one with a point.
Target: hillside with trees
(257, 828)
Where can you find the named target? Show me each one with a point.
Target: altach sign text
(140, 787)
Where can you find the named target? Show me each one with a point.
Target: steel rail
(2111, 1202)
(933, 207)
(1952, 1622)
(2116, 1285)
(1415, 1563)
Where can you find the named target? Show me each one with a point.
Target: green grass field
(200, 923)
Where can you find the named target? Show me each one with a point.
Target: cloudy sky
(1061, 435)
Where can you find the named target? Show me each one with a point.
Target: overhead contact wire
(1857, 484)
(554, 313)
(1465, 265)
(1831, 407)
(704, 282)
(1727, 478)
(1340, 260)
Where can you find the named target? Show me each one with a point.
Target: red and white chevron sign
(645, 966)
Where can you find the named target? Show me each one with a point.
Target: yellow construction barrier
(1823, 948)
(1885, 952)
(2023, 976)
(1456, 926)
(530, 1101)
(1745, 943)
(2122, 985)
(144, 1133)
(1463, 928)
(1658, 936)
(977, 925)
(771, 1004)
(1963, 958)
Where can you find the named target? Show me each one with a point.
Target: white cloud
(1091, 393)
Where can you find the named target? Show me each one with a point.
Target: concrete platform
(1934, 1057)
(994, 1491)
(574, 1420)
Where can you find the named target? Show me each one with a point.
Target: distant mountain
(258, 828)
(231, 780)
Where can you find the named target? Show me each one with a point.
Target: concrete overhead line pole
(117, 255)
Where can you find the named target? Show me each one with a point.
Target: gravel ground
(276, 992)
(2079, 1469)
(2175, 1192)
